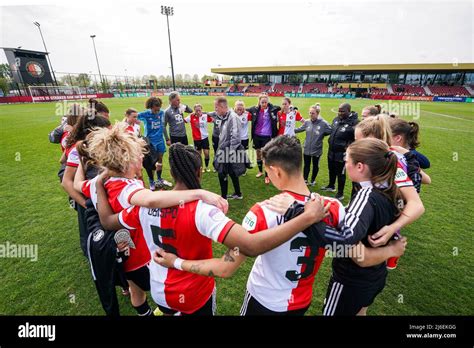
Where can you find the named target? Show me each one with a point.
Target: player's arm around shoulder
(253, 244)
(223, 267)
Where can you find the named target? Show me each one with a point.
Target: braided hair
(185, 163)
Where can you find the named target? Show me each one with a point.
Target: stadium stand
(315, 88)
(450, 91)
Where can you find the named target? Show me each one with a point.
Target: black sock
(144, 309)
(260, 165)
(206, 160)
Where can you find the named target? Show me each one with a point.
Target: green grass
(430, 279)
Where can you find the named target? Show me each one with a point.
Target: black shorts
(245, 143)
(182, 140)
(141, 277)
(251, 307)
(201, 144)
(259, 142)
(344, 299)
(209, 308)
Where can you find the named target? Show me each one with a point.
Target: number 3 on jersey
(297, 245)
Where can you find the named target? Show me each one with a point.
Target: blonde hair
(197, 105)
(376, 127)
(239, 102)
(316, 107)
(263, 95)
(115, 148)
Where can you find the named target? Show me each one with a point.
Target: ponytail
(413, 141)
(408, 130)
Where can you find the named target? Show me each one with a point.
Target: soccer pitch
(434, 277)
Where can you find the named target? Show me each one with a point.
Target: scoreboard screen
(29, 67)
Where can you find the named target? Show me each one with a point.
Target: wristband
(178, 263)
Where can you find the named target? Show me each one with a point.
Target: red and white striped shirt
(134, 129)
(188, 232)
(287, 122)
(64, 140)
(199, 125)
(282, 279)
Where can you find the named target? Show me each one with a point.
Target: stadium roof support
(343, 68)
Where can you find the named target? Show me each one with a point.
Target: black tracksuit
(342, 135)
(106, 263)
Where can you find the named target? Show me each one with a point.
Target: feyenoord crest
(35, 69)
(98, 235)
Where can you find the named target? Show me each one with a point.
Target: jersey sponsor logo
(216, 215)
(98, 235)
(250, 221)
(155, 124)
(178, 118)
(400, 175)
(73, 156)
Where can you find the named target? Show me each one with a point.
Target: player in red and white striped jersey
(188, 231)
(199, 122)
(121, 153)
(131, 119)
(287, 118)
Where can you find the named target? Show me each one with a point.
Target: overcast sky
(132, 34)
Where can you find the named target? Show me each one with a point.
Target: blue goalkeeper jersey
(153, 124)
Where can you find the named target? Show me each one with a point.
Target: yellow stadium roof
(346, 68)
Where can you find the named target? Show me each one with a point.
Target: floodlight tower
(169, 11)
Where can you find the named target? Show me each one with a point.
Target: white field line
(434, 127)
(448, 116)
(449, 129)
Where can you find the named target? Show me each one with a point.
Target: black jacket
(342, 135)
(106, 263)
(255, 112)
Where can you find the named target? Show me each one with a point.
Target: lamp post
(97, 60)
(169, 11)
(46, 50)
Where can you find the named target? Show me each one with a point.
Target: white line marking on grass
(448, 129)
(448, 116)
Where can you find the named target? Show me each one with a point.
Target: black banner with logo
(28, 67)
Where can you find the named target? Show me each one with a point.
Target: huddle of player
(169, 251)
